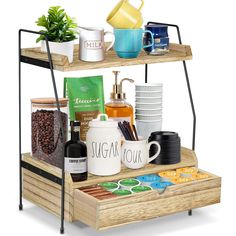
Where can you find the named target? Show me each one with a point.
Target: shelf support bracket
(186, 76)
(187, 82)
(48, 65)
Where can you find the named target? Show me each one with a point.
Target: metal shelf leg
(187, 81)
(49, 66)
(188, 87)
(19, 99)
(146, 73)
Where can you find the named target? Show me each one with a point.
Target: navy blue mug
(161, 39)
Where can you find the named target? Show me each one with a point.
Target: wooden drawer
(103, 214)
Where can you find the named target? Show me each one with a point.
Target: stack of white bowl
(148, 108)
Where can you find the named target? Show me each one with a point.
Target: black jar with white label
(76, 155)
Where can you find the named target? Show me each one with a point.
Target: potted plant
(61, 31)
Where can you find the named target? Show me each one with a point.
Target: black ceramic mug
(170, 147)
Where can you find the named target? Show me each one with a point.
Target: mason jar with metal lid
(47, 143)
(103, 142)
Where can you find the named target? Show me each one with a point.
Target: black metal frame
(49, 65)
(186, 76)
(188, 85)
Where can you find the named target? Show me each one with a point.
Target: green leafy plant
(59, 27)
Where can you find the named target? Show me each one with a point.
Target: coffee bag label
(76, 165)
(85, 117)
(86, 100)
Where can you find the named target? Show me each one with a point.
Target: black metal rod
(60, 121)
(63, 137)
(41, 172)
(19, 111)
(190, 212)
(35, 62)
(187, 81)
(192, 104)
(146, 73)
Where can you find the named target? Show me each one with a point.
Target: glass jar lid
(49, 102)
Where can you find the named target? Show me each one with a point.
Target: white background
(209, 27)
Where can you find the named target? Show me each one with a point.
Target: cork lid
(49, 102)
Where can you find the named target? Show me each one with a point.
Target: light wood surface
(141, 206)
(45, 166)
(103, 214)
(123, 215)
(45, 204)
(188, 158)
(47, 194)
(60, 62)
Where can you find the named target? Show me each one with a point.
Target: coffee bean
(47, 143)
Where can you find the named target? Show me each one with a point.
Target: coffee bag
(86, 99)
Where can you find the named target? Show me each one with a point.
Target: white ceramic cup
(148, 111)
(148, 100)
(139, 105)
(148, 94)
(135, 154)
(148, 87)
(145, 128)
(148, 117)
(92, 44)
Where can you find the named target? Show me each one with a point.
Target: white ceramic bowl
(148, 87)
(148, 94)
(148, 100)
(145, 128)
(149, 117)
(148, 105)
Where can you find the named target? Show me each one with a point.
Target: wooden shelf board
(177, 53)
(188, 158)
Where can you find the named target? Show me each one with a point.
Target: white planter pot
(66, 48)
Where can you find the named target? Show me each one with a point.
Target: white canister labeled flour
(103, 142)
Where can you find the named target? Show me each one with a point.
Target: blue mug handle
(152, 38)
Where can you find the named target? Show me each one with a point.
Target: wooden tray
(177, 53)
(99, 214)
(104, 214)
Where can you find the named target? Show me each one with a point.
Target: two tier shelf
(52, 189)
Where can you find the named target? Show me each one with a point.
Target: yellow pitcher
(126, 16)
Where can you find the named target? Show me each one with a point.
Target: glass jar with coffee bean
(47, 142)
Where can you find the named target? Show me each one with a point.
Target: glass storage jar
(47, 143)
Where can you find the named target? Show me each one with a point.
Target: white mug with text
(92, 44)
(135, 154)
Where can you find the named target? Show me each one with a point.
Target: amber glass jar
(117, 108)
(120, 110)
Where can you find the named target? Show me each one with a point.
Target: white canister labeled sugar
(103, 142)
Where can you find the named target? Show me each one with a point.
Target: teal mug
(129, 42)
